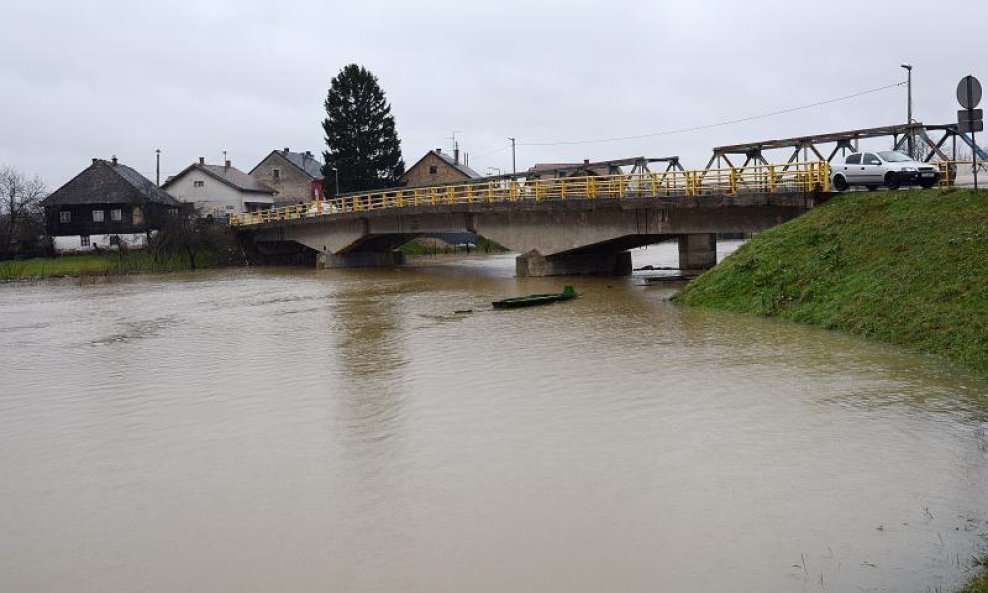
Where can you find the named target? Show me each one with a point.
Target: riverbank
(97, 264)
(908, 268)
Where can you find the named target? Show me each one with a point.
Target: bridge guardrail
(790, 177)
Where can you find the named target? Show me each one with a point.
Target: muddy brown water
(297, 430)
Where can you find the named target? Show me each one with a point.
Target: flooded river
(310, 431)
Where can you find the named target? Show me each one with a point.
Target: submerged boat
(536, 299)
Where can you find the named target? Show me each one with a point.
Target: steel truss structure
(848, 141)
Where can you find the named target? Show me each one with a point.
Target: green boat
(536, 299)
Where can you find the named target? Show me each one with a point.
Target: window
(854, 159)
(116, 215)
(84, 240)
(276, 173)
(97, 216)
(198, 183)
(433, 169)
(64, 216)
(870, 159)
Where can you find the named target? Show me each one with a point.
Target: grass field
(904, 267)
(92, 264)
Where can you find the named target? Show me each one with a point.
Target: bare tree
(20, 206)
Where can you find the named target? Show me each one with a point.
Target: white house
(220, 190)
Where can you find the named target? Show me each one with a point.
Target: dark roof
(458, 166)
(305, 162)
(229, 175)
(574, 169)
(107, 182)
(470, 173)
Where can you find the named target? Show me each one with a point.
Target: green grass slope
(903, 267)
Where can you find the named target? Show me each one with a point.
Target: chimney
(439, 150)
(202, 160)
(586, 161)
(456, 154)
(114, 159)
(286, 149)
(466, 159)
(95, 160)
(226, 165)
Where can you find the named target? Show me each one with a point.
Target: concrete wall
(420, 174)
(73, 244)
(214, 197)
(293, 185)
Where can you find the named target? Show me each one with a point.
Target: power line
(708, 126)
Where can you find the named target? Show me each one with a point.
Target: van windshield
(892, 156)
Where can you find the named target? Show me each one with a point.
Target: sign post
(969, 119)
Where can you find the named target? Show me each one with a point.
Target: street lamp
(498, 169)
(909, 103)
(336, 182)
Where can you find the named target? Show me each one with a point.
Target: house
(437, 168)
(296, 176)
(220, 190)
(584, 169)
(106, 204)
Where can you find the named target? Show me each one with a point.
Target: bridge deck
(796, 179)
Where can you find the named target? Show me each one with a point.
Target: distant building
(437, 168)
(296, 176)
(106, 204)
(220, 190)
(584, 169)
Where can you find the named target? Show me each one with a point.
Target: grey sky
(105, 77)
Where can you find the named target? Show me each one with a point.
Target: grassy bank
(102, 264)
(906, 267)
(979, 584)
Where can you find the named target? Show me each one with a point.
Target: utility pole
(514, 168)
(157, 167)
(909, 105)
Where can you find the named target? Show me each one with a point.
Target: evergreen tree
(360, 134)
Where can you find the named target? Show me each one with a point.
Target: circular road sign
(969, 92)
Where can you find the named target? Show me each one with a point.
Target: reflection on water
(310, 430)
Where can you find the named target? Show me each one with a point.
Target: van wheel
(892, 180)
(840, 183)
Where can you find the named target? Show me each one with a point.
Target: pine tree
(360, 134)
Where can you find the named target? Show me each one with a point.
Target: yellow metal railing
(794, 177)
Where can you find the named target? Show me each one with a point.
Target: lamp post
(492, 169)
(336, 182)
(157, 167)
(909, 104)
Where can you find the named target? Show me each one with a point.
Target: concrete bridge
(561, 226)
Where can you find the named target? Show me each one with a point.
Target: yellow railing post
(733, 181)
(562, 188)
(490, 191)
(771, 178)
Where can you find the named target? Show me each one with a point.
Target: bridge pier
(608, 263)
(697, 251)
(361, 259)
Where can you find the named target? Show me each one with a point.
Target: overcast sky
(106, 77)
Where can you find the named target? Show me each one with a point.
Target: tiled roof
(306, 162)
(230, 175)
(458, 166)
(106, 182)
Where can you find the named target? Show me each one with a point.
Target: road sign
(966, 127)
(969, 92)
(966, 115)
